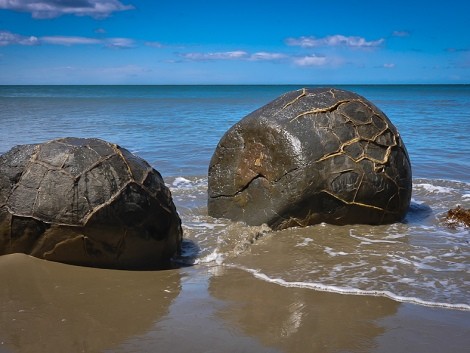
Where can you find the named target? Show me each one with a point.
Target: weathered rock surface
(86, 202)
(311, 156)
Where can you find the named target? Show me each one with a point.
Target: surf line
(351, 291)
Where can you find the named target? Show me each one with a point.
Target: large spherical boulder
(86, 202)
(311, 156)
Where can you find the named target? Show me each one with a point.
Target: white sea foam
(405, 280)
(389, 269)
(354, 291)
(395, 236)
(435, 189)
(366, 241)
(181, 182)
(418, 202)
(305, 242)
(214, 256)
(331, 252)
(203, 225)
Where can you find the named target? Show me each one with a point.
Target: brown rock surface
(458, 216)
(86, 202)
(311, 156)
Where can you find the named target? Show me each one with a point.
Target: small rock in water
(458, 217)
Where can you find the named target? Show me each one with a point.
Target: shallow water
(419, 261)
(403, 285)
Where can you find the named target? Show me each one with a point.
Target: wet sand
(52, 307)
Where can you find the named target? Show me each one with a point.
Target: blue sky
(234, 42)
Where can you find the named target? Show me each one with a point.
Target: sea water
(176, 129)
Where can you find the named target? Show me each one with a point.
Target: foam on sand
(354, 291)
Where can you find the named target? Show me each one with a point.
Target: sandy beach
(52, 307)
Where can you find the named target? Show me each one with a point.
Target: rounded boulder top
(86, 202)
(311, 156)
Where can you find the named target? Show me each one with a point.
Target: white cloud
(55, 8)
(389, 65)
(333, 41)
(8, 38)
(226, 55)
(62, 40)
(266, 56)
(310, 60)
(119, 43)
(235, 55)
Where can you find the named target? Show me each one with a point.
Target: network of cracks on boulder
(360, 149)
(82, 183)
(91, 184)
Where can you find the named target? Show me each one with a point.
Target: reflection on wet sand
(52, 307)
(300, 320)
(192, 324)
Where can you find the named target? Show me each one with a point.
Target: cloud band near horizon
(333, 41)
(308, 59)
(8, 38)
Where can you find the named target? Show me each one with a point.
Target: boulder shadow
(417, 212)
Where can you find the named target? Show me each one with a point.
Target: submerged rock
(311, 156)
(86, 202)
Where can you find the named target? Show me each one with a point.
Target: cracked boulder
(311, 156)
(86, 202)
